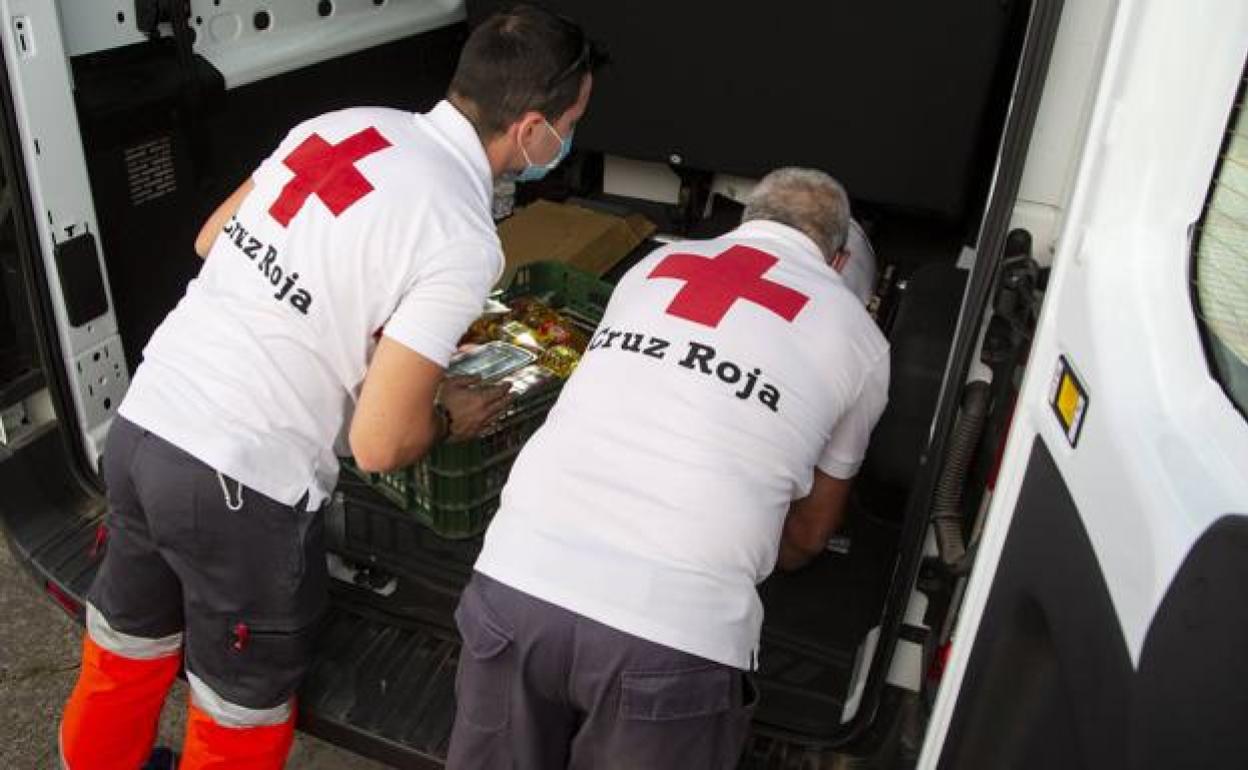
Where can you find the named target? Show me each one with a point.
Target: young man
(614, 608)
(337, 282)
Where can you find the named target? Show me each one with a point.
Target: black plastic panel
(20, 372)
(920, 340)
(82, 282)
(893, 98)
(1050, 683)
(1191, 703)
(1049, 676)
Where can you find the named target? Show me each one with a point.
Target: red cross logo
(328, 171)
(713, 285)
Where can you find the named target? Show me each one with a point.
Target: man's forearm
(811, 521)
(424, 437)
(409, 445)
(793, 557)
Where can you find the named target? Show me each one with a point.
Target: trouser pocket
(676, 695)
(486, 664)
(683, 719)
(249, 661)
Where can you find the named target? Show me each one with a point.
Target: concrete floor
(39, 647)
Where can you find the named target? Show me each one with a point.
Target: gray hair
(807, 200)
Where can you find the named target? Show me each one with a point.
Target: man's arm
(395, 421)
(812, 520)
(212, 228)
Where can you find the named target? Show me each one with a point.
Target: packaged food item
(558, 331)
(494, 308)
(521, 307)
(531, 381)
(483, 330)
(519, 334)
(536, 313)
(494, 360)
(561, 360)
(504, 199)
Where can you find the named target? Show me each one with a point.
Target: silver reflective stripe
(228, 714)
(128, 646)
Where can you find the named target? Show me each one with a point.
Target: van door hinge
(150, 14)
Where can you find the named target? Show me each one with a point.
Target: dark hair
(520, 59)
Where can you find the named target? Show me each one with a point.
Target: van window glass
(1221, 261)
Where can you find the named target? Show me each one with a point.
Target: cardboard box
(560, 232)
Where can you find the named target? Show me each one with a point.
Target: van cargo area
(910, 119)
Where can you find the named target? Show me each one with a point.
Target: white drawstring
(225, 490)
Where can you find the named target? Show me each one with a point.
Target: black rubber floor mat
(386, 689)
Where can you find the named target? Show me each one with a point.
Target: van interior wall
(158, 169)
(21, 373)
(14, 326)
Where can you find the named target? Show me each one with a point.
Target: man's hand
(473, 407)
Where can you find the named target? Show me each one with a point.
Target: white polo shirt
(362, 219)
(653, 498)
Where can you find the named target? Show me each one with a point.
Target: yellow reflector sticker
(1069, 400)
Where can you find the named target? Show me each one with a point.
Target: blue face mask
(532, 172)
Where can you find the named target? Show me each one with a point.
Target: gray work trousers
(191, 551)
(542, 688)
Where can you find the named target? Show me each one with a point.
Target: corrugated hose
(947, 505)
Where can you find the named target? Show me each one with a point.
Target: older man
(711, 431)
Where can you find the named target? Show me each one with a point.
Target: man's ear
(840, 260)
(526, 127)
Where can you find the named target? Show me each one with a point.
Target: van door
(1104, 623)
(89, 345)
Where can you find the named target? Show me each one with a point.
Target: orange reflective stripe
(111, 718)
(210, 746)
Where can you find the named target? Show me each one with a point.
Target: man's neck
(496, 150)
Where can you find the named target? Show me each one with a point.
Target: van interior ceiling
(906, 109)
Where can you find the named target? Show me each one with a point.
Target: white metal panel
(61, 196)
(1066, 105)
(298, 36)
(97, 25)
(1062, 121)
(640, 179)
(1163, 451)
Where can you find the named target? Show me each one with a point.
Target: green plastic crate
(576, 291)
(454, 491)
